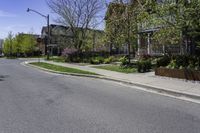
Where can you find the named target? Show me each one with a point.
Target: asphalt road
(32, 101)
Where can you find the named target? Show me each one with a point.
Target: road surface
(32, 101)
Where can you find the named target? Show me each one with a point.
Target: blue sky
(13, 16)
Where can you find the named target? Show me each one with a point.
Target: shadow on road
(2, 77)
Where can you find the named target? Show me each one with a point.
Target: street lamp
(48, 36)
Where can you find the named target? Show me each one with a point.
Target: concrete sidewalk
(172, 86)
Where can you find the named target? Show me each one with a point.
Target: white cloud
(6, 14)
(15, 29)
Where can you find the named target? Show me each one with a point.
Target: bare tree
(79, 15)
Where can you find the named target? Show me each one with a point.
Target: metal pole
(48, 37)
(148, 44)
(138, 41)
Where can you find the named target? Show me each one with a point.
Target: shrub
(86, 60)
(181, 61)
(197, 65)
(68, 51)
(194, 63)
(163, 61)
(109, 59)
(101, 59)
(172, 64)
(70, 55)
(124, 61)
(145, 57)
(94, 61)
(144, 65)
(76, 59)
(97, 60)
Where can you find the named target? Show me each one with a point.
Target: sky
(15, 18)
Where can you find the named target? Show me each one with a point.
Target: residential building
(59, 37)
(62, 37)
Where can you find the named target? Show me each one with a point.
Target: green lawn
(42, 56)
(57, 59)
(61, 68)
(117, 68)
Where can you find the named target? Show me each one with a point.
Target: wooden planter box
(177, 73)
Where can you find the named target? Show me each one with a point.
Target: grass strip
(117, 68)
(57, 59)
(61, 68)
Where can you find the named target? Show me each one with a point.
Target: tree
(95, 40)
(78, 15)
(8, 45)
(28, 44)
(115, 25)
(121, 25)
(20, 44)
(17, 45)
(179, 21)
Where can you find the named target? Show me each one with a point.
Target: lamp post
(48, 35)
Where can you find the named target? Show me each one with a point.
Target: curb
(159, 90)
(147, 87)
